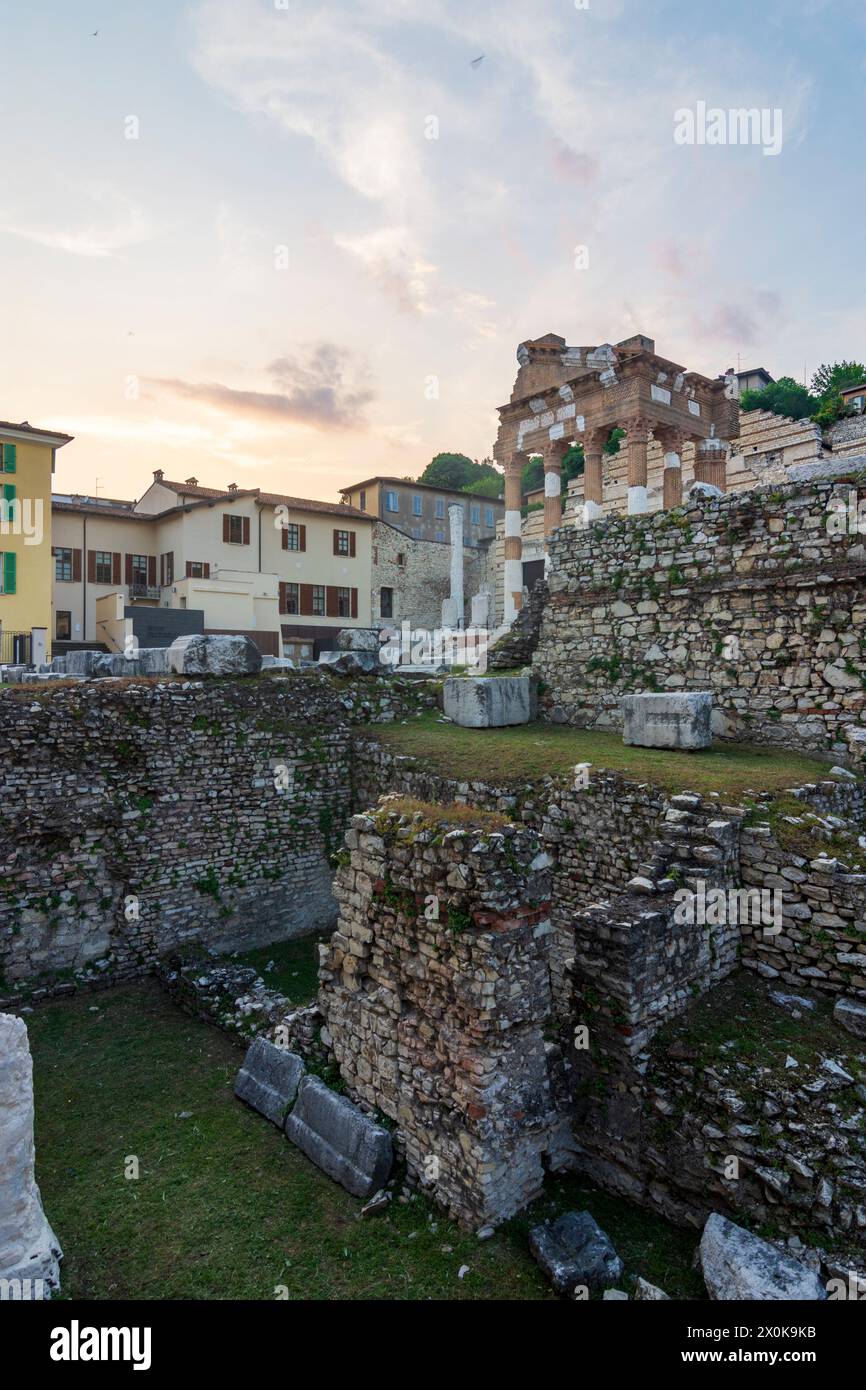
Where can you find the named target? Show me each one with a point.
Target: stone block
(277, 663)
(670, 720)
(197, 654)
(350, 663)
(29, 1250)
(851, 1013)
(342, 1141)
(147, 661)
(359, 639)
(489, 702)
(738, 1265)
(575, 1251)
(269, 1079)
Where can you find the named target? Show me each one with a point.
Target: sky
(295, 243)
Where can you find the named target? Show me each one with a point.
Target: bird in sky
(477, 61)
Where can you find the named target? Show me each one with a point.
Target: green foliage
(612, 445)
(783, 397)
(457, 472)
(829, 381)
(492, 486)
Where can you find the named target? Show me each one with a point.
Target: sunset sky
(148, 309)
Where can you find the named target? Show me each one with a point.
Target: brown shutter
(161, 571)
(283, 608)
(225, 526)
(352, 543)
(91, 566)
(331, 601)
(303, 537)
(306, 603)
(285, 531)
(128, 564)
(206, 572)
(151, 570)
(189, 569)
(246, 532)
(354, 593)
(76, 566)
(115, 566)
(336, 547)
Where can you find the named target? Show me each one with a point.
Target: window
(63, 564)
(417, 506)
(363, 502)
(196, 569)
(8, 560)
(440, 535)
(401, 559)
(475, 515)
(63, 627)
(102, 574)
(8, 458)
(341, 542)
(392, 502)
(386, 603)
(440, 508)
(139, 571)
(344, 603)
(319, 600)
(233, 530)
(166, 568)
(293, 536)
(292, 598)
(416, 533)
(488, 516)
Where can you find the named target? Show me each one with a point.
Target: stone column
(711, 462)
(553, 486)
(452, 607)
(638, 435)
(593, 442)
(672, 478)
(29, 1250)
(513, 550)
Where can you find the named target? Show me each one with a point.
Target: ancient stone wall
(847, 438)
(418, 573)
(753, 597)
(435, 991)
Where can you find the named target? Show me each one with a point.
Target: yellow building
(26, 568)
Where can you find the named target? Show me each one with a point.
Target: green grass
(225, 1207)
(296, 966)
(529, 751)
(799, 839)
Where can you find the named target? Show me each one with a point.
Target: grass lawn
(528, 751)
(295, 970)
(225, 1207)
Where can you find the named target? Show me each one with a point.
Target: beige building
(286, 571)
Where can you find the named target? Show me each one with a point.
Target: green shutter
(9, 558)
(9, 492)
(10, 452)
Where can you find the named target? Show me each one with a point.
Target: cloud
(123, 225)
(390, 257)
(327, 388)
(569, 165)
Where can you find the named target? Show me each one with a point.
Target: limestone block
(147, 661)
(675, 719)
(350, 663)
(489, 702)
(738, 1265)
(340, 1139)
(277, 663)
(29, 1249)
(851, 1013)
(195, 654)
(575, 1251)
(269, 1079)
(359, 639)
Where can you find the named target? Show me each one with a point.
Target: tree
(829, 381)
(493, 487)
(456, 472)
(783, 397)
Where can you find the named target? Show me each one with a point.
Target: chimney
(157, 475)
(233, 487)
(192, 482)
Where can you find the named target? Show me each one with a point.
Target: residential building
(421, 511)
(855, 398)
(755, 379)
(288, 572)
(26, 465)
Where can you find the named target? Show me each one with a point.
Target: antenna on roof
(96, 482)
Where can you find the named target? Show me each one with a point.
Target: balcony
(150, 591)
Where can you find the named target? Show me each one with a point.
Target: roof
(193, 490)
(266, 499)
(852, 390)
(755, 371)
(427, 487)
(123, 510)
(8, 426)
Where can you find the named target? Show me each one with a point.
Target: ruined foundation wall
(747, 596)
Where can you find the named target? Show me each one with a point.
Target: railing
(15, 648)
(144, 591)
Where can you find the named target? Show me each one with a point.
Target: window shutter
(161, 571)
(352, 543)
(115, 567)
(206, 571)
(306, 603)
(285, 541)
(354, 593)
(225, 526)
(9, 492)
(302, 543)
(151, 570)
(76, 566)
(336, 548)
(9, 559)
(10, 458)
(128, 560)
(189, 569)
(246, 522)
(283, 607)
(331, 601)
(91, 566)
